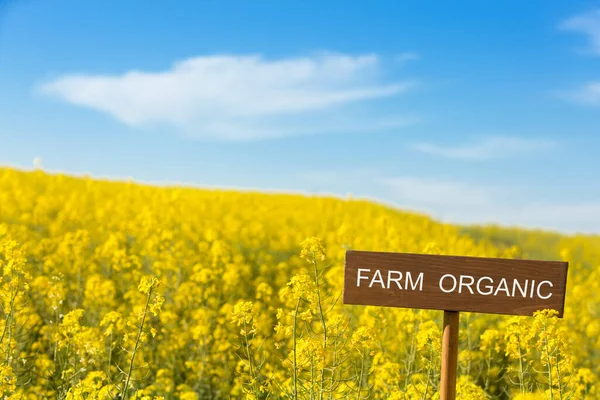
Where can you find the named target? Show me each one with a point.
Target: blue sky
(471, 111)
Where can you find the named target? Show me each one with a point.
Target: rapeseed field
(118, 290)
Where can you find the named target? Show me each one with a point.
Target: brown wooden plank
(402, 287)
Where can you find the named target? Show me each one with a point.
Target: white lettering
(468, 285)
(396, 280)
(516, 285)
(538, 290)
(442, 286)
(503, 286)
(359, 277)
(413, 285)
(377, 278)
(393, 277)
(490, 288)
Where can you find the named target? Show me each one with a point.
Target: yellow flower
(313, 249)
(364, 337)
(147, 284)
(242, 316)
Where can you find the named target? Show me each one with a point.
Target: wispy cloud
(565, 217)
(428, 192)
(241, 97)
(587, 94)
(408, 56)
(471, 203)
(462, 201)
(588, 24)
(486, 148)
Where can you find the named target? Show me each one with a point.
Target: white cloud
(566, 217)
(588, 24)
(403, 58)
(240, 97)
(487, 148)
(468, 203)
(587, 94)
(424, 192)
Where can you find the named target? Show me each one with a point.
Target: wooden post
(449, 355)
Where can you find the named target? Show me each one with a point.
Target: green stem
(295, 362)
(323, 325)
(549, 363)
(109, 356)
(411, 357)
(360, 378)
(9, 315)
(135, 347)
(521, 372)
(251, 364)
(558, 376)
(334, 369)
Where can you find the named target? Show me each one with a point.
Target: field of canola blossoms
(120, 290)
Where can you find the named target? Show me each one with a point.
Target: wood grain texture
(449, 355)
(434, 267)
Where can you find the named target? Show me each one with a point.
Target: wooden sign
(454, 283)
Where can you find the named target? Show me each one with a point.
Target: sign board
(454, 283)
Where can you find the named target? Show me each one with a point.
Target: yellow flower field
(116, 290)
